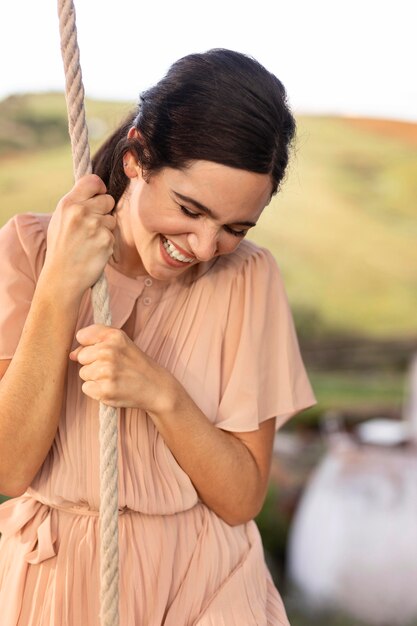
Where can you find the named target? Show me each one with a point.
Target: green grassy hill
(343, 229)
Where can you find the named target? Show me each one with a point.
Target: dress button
(148, 282)
(147, 301)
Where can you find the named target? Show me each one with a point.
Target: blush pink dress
(225, 331)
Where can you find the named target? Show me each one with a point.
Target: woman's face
(177, 218)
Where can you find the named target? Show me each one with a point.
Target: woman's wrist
(54, 287)
(170, 401)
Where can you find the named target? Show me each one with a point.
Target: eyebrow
(208, 211)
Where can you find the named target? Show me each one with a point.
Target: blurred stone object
(353, 538)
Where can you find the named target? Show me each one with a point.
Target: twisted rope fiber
(109, 501)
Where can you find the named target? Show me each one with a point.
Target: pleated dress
(224, 330)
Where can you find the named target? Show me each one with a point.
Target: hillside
(343, 228)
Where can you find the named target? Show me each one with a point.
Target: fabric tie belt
(39, 536)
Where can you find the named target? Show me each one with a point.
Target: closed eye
(189, 213)
(236, 233)
(194, 215)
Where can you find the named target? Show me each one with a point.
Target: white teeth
(174, 253)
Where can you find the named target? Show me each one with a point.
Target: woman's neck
(125, 257)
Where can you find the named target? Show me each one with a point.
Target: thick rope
(109, 501)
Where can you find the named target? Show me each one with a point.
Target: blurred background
(339, 524)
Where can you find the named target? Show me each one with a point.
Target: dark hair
(220, 106)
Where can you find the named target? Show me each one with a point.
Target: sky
(353, 57)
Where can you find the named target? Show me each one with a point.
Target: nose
(204, 243)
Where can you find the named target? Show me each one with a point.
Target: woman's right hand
(80, 236)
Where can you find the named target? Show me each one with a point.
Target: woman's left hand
(116, 372)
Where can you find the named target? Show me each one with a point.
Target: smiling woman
(201, 360)
(176, 236)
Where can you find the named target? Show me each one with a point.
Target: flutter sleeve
(263, 375)
(23, 246)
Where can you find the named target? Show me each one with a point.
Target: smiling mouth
(174, 253)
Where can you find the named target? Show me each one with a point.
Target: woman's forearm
(31, 390)
(79, 243)
(221, 467)
(230, 472)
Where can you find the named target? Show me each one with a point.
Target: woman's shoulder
(27, 224)
(249, 259)
(250, 251)
(248, 270)
(24, 235)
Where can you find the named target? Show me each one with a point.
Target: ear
(134, 133)
(131, 167)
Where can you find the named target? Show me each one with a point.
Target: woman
(201, 359)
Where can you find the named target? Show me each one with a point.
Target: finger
(87, 187)
(85, 355)
(91, 389)
(73, 355)
(93, 334)
(109, 221)
(88, 372)
(102, 204)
